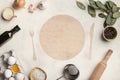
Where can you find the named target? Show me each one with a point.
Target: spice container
(109, 33)
(8, 14)
(38, 74)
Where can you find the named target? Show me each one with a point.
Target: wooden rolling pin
(97, 73)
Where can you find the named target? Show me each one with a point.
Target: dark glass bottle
(8, 34)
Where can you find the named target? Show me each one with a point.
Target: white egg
(42, 5)
(8, 73)
(11, 60)
(11, 78)
(19, 76)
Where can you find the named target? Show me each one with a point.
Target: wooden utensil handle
(97, 73)
(106, 58)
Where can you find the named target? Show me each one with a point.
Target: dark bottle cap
(15, 29)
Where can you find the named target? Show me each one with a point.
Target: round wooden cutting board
(62, 37)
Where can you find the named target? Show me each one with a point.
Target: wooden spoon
(91, 33)
(34, 55)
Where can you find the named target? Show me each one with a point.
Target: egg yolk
(15, 69)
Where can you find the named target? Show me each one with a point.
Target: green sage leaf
(115, 8)
(116, 15)
(111, 3)
(113, 21)
(108, 6)
(119, 8)
(91, 11)
(102, 15)
(93, 4)
(80, 5)
(105, 25)
(101, 5)
(109, 19)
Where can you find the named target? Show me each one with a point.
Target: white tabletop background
(21, 43)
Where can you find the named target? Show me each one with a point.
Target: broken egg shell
(19, 76)
(11, 78)
(15, 68)
(8, 73)
(11, 60)
(12, 53)
(42, 5)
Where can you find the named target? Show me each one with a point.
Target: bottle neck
(14, 30)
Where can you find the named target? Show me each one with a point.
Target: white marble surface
(22, 43)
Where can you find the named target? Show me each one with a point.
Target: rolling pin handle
(106, 58)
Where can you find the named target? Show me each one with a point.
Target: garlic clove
(8, 73)
(30, 8)
(42, 5)
(11, 78)
(20, 76)
(11, 60)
